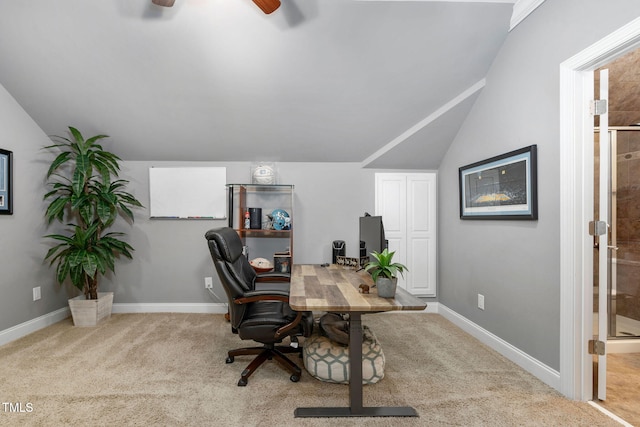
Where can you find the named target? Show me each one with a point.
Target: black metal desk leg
(356, 408)
(355, 362)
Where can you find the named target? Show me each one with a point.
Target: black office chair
(261, 315)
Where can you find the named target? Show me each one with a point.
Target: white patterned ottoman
(329, 361)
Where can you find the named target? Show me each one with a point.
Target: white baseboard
(543, 372)
(33, 325)
(43, 321)
(536, 368)
(218, 308)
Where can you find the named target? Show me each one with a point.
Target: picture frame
(501, 187)
(282, 262)
(6, 182)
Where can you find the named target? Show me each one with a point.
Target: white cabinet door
(391, 203)
(407, 204)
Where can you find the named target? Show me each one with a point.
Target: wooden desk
(334, 288)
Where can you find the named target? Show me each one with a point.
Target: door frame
(576, 206)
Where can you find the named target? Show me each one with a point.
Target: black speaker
(255, 218)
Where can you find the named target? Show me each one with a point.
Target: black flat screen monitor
(371, 235)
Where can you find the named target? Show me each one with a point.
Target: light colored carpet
(169, 370)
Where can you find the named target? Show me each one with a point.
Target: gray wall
(21, 244)
(172, 258)
(516, 264)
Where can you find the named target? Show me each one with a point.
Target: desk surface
(335, 288)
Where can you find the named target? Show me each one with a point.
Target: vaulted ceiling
(384, 83)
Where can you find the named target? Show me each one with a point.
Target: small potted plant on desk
(86, 195)
(385, 272)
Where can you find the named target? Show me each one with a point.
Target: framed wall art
(6, 185)
(502, 187)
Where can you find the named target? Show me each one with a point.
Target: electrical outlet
(208, 283)
(36, 293)
(481, 301)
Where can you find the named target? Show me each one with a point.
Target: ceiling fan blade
(165, 3)
(267, 6)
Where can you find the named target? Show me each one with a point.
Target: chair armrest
(262, 295)
(287, 328)
(273, 277)
(271, 295)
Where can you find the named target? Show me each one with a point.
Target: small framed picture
(502, 187)
(6, 185)
(282, 262)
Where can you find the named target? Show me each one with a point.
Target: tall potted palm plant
(84, 193)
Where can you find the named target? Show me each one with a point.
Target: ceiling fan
(267, 6)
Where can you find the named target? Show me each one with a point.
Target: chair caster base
(263, 354)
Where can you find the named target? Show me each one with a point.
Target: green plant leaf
(61, 237)
(77, 136)
(77, 276)
(93, 139)
(76, 258)
(62, 271)
(56, 209)
(60, 160)
(89, 263)
(106, 213)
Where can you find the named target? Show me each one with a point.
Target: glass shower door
(624, 253)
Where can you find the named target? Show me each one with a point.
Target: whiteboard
(188, 192)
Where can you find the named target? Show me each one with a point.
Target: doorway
(620, 251)
(576, 206)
